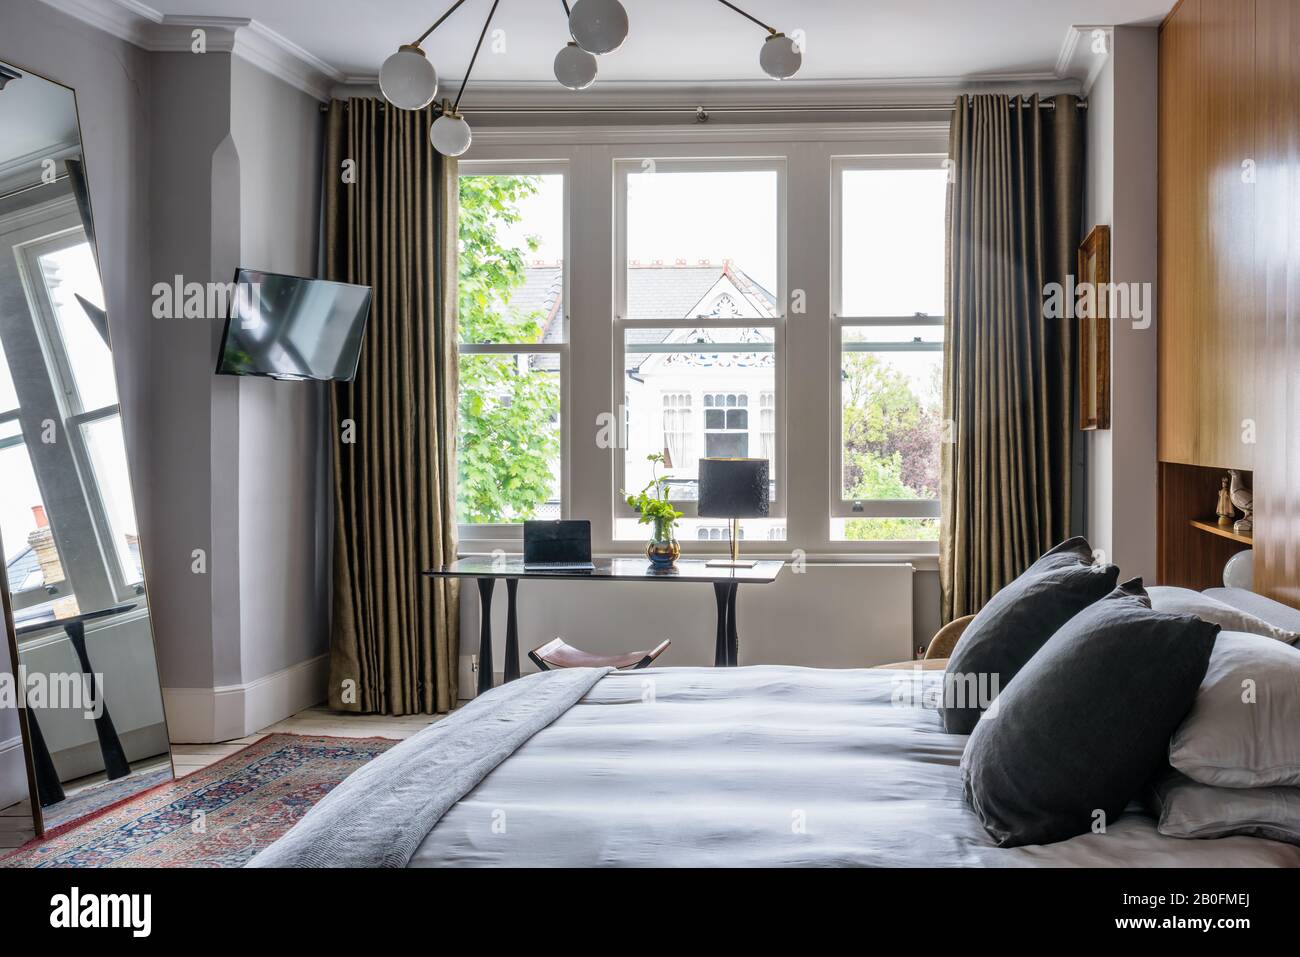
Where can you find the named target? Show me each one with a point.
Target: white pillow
(1244, 728)
(1184, 601)
(1187, 809)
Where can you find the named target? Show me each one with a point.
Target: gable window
(887, 293)
(699, 324)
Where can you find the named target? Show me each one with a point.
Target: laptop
(557, 546)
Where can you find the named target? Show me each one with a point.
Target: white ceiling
(38, 120)
(680, 41)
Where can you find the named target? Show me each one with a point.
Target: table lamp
(734, 489)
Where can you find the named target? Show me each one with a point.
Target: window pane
(892, 417)
(107, 450)
(885, 529)
(69, 273)
(705, 369)
(512, 259)
(509, 446)
(701, 244)
(30, 553)
(892, 238)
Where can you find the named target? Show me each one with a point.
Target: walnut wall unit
(1229, 279)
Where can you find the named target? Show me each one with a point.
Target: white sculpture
(1244, 499)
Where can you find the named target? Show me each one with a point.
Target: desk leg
(733, 639)
(48, 789)
(485, 634)
(511, 664)
(115, 763)
(720, 594)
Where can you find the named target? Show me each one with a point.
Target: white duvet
(764, 766)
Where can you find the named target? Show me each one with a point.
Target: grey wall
(282, 480)
(1121, 193)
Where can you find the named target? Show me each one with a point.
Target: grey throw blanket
(379, 815)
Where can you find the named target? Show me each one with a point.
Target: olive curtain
(390, 223)
(1014, 214)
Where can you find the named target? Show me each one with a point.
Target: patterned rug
(217, 817)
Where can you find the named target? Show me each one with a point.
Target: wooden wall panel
(1277, 485)
(1207, 233)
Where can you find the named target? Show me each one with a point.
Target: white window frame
(841, 507)
(623, 167)
(483, 533)
(808, 346)
(93, 575)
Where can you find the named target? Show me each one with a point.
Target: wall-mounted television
(287, 327)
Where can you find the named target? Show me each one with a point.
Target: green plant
(655, 508)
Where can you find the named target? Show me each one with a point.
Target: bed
(754, 766)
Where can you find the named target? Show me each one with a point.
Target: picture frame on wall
(1094, 331)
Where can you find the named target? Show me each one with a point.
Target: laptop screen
(566, 542)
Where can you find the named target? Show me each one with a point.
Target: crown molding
(496, 95)
(1077, 57)
(246, 38)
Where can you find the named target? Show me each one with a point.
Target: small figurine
(1224, 508)
(1244, 499)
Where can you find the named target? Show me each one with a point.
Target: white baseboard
(208, 715)
(13, 771)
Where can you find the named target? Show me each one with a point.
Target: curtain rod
(701, 113)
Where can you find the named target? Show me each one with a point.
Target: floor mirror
(81, 664)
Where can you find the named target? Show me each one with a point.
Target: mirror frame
(38, 816)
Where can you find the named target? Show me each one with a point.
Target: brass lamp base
(734, 561)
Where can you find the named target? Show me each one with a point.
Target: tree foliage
(509, 410)
(891, 446)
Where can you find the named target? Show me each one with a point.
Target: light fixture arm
(437, 23)
(770, 29)
(455, 107)
(567, 12)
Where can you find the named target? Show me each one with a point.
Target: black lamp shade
(733, 488)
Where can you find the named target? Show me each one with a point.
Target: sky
(893, 223)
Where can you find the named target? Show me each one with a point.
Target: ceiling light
(575, 68)
(780, 57)
(450, 134)
(599, 26)
(407, 79)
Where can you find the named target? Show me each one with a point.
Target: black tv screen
(285, 327)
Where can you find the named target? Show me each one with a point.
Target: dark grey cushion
(1015, 623)
(1086, 725)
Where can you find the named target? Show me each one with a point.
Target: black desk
(486, 570)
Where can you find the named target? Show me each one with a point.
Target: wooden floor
(16, 820)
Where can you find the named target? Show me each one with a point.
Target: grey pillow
(1185, 808)
(1244, 729)
(1086, 724)
(1184, 601)
(1014, 624)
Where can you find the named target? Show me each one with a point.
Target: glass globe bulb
(407, 79)
(450, 134)
(1239, 572)
(780, 58)
(599, 26)
(575, 68)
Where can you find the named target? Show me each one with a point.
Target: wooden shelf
(1214, 528)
